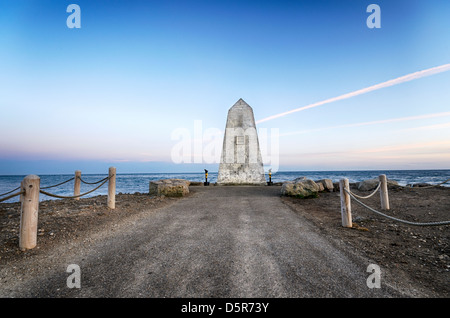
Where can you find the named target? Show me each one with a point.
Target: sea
(139, 182)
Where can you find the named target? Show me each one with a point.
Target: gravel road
(220, 241)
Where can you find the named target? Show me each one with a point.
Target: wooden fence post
(384, 192)
(29, 209)
(346, 208)
(77, 184)
(112, 188)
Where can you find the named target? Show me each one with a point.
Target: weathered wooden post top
(241, 161)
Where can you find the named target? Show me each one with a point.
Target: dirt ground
(68, 219)
(421, 253)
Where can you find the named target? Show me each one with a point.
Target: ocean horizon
(139, 182)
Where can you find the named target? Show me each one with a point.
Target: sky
(138, 78)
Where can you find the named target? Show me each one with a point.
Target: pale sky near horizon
(114, 91)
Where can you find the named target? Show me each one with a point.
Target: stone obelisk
(241, 161)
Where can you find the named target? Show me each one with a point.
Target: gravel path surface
(217, 242)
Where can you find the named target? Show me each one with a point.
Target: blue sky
(114, 91)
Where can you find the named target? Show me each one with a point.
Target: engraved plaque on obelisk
(241, 161)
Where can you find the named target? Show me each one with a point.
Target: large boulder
(368, 185)
(300, 188)
(327, 184)
(371, 184)
(169, 187)
(320, 185)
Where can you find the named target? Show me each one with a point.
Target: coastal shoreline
(419, 255)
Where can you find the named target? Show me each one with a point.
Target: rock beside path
(169, 187)
(301, 188)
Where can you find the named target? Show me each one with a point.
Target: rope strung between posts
(368, 196)
(75, 196)
(48, 187)
(12, 195)
(85, 182)
(10, 191)
(427, 187)
(58, 184)
(396, 219)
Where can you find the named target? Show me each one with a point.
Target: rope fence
(76, 196)
(85, 182)
(56, 185)
(347, 195)
(397, 219)
(12, 195)
(10, 191)
(29, 191)
(370, 195)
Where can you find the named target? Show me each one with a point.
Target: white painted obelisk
(241, 161)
